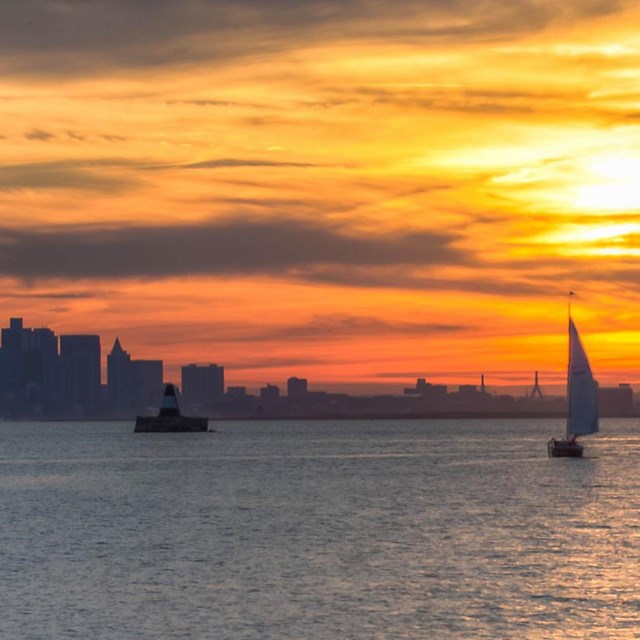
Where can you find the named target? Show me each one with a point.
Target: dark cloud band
(78, 36)
(286, 248)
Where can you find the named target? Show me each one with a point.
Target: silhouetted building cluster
(43, 376)
(423, 400)
(47, 376)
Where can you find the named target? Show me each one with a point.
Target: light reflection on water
(319, 530)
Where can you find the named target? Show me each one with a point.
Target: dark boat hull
(170, 424)
(564, 449)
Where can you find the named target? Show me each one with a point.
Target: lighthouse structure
(169, 418)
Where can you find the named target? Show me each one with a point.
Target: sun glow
(603, 240)
(614, 184)
(575, 233)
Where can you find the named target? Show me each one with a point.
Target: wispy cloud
(207, 102)
(84, 175)
(54, 295)
(39, 134)
(342, 325)
(519, 283)
(253, 362)
(225, 163)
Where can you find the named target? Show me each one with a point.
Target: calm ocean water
(318, 530)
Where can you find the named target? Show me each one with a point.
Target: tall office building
(80, 357)
(29, 362)
(119, 381)
(201, 384)
(42, 365)
(147, 383)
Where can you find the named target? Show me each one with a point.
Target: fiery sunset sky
(359, 191)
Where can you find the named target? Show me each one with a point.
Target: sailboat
(582, 396)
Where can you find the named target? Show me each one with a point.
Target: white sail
(582, 389)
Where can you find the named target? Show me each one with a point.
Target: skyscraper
(119, 381)
(80, 356)
(147, 383)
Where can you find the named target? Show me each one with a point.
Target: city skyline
(44, 376)
(175, 373)
(360, 193)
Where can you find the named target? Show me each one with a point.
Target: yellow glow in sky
(614, 184)
(348, 192)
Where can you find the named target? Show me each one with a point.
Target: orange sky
(352, 192)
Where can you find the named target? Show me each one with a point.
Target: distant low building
(435, 393)
(270, 392)
(615, 401)
(297, 387)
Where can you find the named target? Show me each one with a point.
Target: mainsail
(582, 389)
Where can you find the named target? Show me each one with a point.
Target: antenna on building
(482, 387)
(536, 388)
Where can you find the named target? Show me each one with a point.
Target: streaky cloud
(252, 362)
(340, 325)
(222, 163)
(85, 175)
(401, 277)
(317, 328)
(74, 135)
(207, 102)
(229, 163)
(39, 134)
(55, 295)
(292, 206)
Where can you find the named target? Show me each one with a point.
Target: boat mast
(571, 294)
